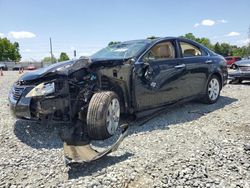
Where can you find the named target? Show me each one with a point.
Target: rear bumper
(239, 75)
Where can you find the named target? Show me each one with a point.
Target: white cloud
(233, 34)
(243, 42)
(21, 34)
(1, 35)
(246, 41)
(222, 21)
(27, 50)
(207, 22)
(196, 25)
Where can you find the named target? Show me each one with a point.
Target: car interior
(162, 51)
(189, 50)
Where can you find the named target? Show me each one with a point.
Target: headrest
(189, 52)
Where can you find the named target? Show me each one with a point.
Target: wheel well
(121, 96)
(108, 85)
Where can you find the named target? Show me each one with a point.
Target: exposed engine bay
(63, 94)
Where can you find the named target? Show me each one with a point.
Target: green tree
(240, 51)
(217, 48)
(226, 49)
(152, 37)
(63, 57)
(113, 42)
(204, 41)
(223, 49)
(190, 36)
(49, 60)
(9, 51)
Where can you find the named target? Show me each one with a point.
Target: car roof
(156, 39)
(159, 39)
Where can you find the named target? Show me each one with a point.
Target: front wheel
(103, 115)
(212, 90)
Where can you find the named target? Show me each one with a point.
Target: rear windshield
(238, 58)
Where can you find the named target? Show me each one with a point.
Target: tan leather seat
(189, 52)
(163, 51)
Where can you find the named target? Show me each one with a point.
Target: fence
(10, 64)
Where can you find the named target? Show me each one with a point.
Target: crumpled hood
(62, 68)
(67, 67)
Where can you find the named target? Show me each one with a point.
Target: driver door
(159, 78)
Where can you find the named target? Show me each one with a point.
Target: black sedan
(17, 68)
(3, 67)
(128, 77)
(240, 72)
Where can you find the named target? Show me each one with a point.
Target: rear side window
(189, 50)
(237, 58)
(229, 58)
(161, 51)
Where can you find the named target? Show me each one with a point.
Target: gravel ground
(190, 145)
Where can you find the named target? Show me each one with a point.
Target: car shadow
(168, 117)
(181, 113)
(77, 170)
(38, 136)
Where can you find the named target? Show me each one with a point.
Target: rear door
(159, 76)
(197, 62)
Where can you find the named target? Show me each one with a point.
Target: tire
(103, 115)
(233, 66)
(212, 90)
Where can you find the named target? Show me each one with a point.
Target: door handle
(180, 66)
(209, 61)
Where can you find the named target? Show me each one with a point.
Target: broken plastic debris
(83, 152)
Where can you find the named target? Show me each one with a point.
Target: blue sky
(88, 25)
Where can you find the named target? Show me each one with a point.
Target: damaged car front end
(61, 93)
(88, 94)
(50, 93)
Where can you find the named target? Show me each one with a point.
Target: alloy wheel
(113, 116)
(213, 89)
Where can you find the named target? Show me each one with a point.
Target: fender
(117, 79)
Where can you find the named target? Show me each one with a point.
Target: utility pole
(248, 46)
(74, 54)
(51, 54)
